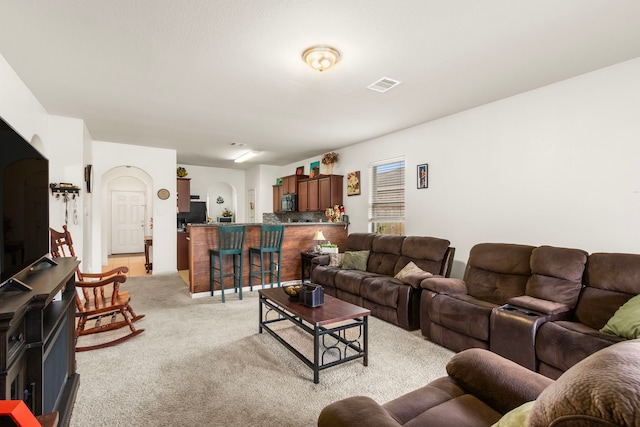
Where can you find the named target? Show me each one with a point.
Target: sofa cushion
(360, 241)
(350, 280)
(556, 274)
(562, 344)
(355, 260)
(428, 253)
(596, 306)
(382, 290)
(336, 260)
(598, 391)
(385, 252)
(455, 312)
(625, 322)
(498, 271)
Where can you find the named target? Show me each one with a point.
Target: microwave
(289, 203)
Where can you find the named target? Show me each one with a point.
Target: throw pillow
(516, 417)
(355, 260)
(625, 322)
(410, 268)
(336, 260)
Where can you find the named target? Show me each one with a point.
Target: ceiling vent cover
(384, 84)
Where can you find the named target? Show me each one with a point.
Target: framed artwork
(300, 170)
(423, 176)
(314, 169)
(353, 183)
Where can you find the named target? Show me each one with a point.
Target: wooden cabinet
(329, 191)
(37, 339)
(277, 198)
(183, 251)
(290, 184)
(184, 194)
(317, 194)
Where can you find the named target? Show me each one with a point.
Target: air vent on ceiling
(383, 85)
(238, 144)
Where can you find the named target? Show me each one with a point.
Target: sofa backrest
(611, 279)
(556, 274)
(385, 251)
(498, 271)
(360, 241)
(428, 253)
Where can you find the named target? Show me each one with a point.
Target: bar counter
(298, 238)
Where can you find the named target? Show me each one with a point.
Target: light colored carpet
(202, 363)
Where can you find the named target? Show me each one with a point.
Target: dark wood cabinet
(37, 339)
(184, 194)
(277, 198)
(183, 251)
(317, 194)
(290, 184)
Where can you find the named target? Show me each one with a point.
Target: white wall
(214, 182)
(160, 165)
(559, 166)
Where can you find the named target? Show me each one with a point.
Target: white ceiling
(199, 75)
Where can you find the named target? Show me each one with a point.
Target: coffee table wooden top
(333, 310)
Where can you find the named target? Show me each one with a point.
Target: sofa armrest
(540, 305)
(444, 285)
(499, 382)
(320, 260)
(355, 411)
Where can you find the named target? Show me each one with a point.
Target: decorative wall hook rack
(64, 188)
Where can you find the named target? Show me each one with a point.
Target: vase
(329, 168)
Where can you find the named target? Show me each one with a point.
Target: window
(386, 196)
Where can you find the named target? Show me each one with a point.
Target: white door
(251, 198)
(127, 222)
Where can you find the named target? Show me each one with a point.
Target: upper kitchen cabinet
(184, 194)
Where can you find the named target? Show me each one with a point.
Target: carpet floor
(203, 363)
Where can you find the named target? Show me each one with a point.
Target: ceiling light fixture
(246, 156)
(321, 57)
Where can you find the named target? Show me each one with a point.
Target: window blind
(386, 190)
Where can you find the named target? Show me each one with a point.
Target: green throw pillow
(516, 417)
(625, 322)
(355, 260)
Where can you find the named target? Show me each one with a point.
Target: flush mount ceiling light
(321, 57)
(246, 156)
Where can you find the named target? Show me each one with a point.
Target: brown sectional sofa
(481, 387)
(376, 288)
(539, 306)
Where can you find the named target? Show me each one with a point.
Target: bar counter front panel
(298, 237)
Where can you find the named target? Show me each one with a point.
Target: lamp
(321, 57)
(318, 237)
(246, 156)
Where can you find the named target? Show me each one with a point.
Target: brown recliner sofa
(482, 387)
(393, 300)
(610, 279)
(460, 314)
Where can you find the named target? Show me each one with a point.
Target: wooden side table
(306, 258)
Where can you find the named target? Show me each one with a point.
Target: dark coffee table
(328, 324)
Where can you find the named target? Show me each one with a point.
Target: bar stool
(270, 243)
(230, 242)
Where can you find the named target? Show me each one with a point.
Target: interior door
(127, 222)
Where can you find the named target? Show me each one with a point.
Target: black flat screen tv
(24, 203)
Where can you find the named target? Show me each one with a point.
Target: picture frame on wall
(300, 170)
(423, 176)
(314, 169)
(353, 183)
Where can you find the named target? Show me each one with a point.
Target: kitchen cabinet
(183, 251)
(317, 194)
(277, 198)
(184, 194)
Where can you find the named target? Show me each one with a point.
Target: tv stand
(16, 284)
(37, 360)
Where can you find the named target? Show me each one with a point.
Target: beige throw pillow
(336, 260)
(409, 269)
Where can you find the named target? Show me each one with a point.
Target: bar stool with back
(230, 242)
(271, 237)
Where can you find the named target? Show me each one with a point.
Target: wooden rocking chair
(102, 297)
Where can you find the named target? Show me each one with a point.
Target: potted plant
(329, 159)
